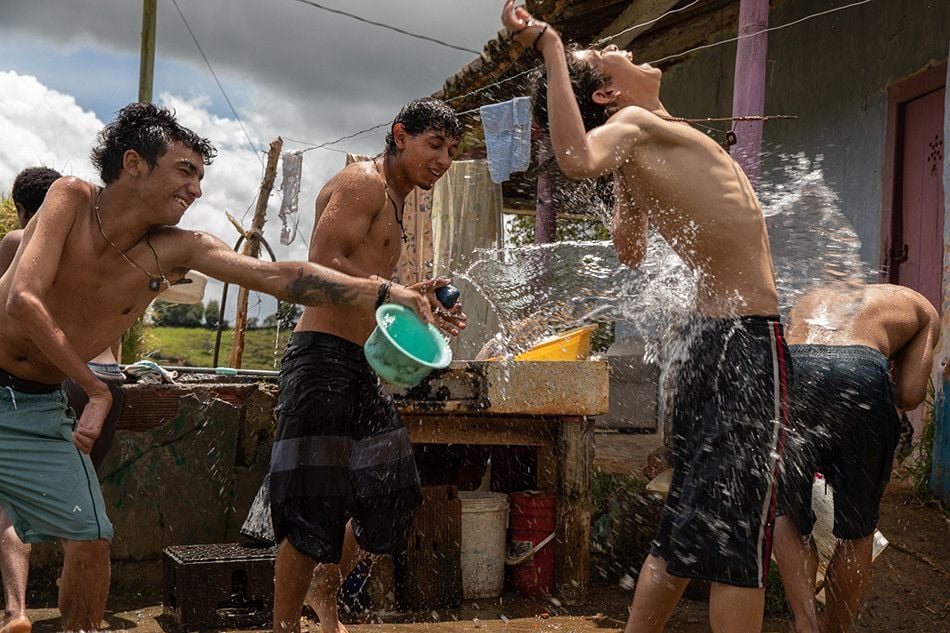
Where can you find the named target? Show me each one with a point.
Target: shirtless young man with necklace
(77, 282)
(343, 476)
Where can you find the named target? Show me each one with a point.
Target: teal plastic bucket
(402, 349)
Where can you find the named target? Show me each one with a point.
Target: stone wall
(190, 479)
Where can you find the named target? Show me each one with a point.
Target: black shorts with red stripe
(728, 430)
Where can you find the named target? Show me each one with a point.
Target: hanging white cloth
(290, 185)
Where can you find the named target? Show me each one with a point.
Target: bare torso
(373, 252)
(886, 319)
(701, 202)
(95, 297)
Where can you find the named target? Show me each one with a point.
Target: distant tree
(8, 219)
(521, 230)
(251, 323)
(178, 314)
(211, 312)
(287, 314)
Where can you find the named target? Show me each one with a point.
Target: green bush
(623, 522)
(921, 467)
(194, 347)
(8, 219)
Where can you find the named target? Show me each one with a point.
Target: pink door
(912, 211)
(912, 222)
(921, 196)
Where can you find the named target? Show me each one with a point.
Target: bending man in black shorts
(341, 452)
(845, 425)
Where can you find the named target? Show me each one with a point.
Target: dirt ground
(909, 591)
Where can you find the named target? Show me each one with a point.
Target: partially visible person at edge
(850, 380)
(90, 263)
(343, 476)
(29, 190)
(604, 116)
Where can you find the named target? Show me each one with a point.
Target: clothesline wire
(326, 144)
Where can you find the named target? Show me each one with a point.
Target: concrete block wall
(189, 480)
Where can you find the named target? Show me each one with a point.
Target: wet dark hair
(585, 80)
(420, 115)
(30, 187)
(148, 130)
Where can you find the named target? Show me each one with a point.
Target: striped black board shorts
(340, 452)
(728, 430)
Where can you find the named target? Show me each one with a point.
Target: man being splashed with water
(605, 117)
(846, 427)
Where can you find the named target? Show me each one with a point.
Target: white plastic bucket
(484, 525)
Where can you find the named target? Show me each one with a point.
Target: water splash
(539, 290)
(813, 243)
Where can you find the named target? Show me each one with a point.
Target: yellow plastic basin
(570, 345)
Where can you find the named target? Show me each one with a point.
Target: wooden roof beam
(639, 12)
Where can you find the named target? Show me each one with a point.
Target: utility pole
(147, 59)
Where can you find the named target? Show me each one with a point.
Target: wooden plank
(709, 22)
(546, 464)
(636, 13)
(480, 430)
(575, 456)
(748, 91)
(432, 570)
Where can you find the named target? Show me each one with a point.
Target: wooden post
(748, 93)
(545, 219)
(252, 247)
(575, 452)
(546, 467)
(147, 59)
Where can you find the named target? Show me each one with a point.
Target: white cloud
(43, 126)
(40, 126)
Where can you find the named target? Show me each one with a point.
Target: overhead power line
(254, 148)
(327, 144)
(389, 27)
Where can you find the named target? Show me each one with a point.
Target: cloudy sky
(289, 69)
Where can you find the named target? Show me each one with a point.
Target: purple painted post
(545, 215)
(748, 93)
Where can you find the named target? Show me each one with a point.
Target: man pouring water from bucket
(343, 476)
(605, 117)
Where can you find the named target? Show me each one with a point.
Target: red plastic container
(533, 519)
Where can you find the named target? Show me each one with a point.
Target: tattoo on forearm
(308, 289)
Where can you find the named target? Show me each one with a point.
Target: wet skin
(69, 293)
(667, 174)
(895, 320)
(357, 232)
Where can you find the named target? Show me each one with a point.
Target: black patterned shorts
(340, 452)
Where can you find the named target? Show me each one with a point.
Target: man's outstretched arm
(305, 283)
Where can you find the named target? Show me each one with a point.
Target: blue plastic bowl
(402, 349)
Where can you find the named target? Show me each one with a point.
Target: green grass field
(195, 347)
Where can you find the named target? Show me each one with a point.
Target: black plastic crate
(219, 585)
